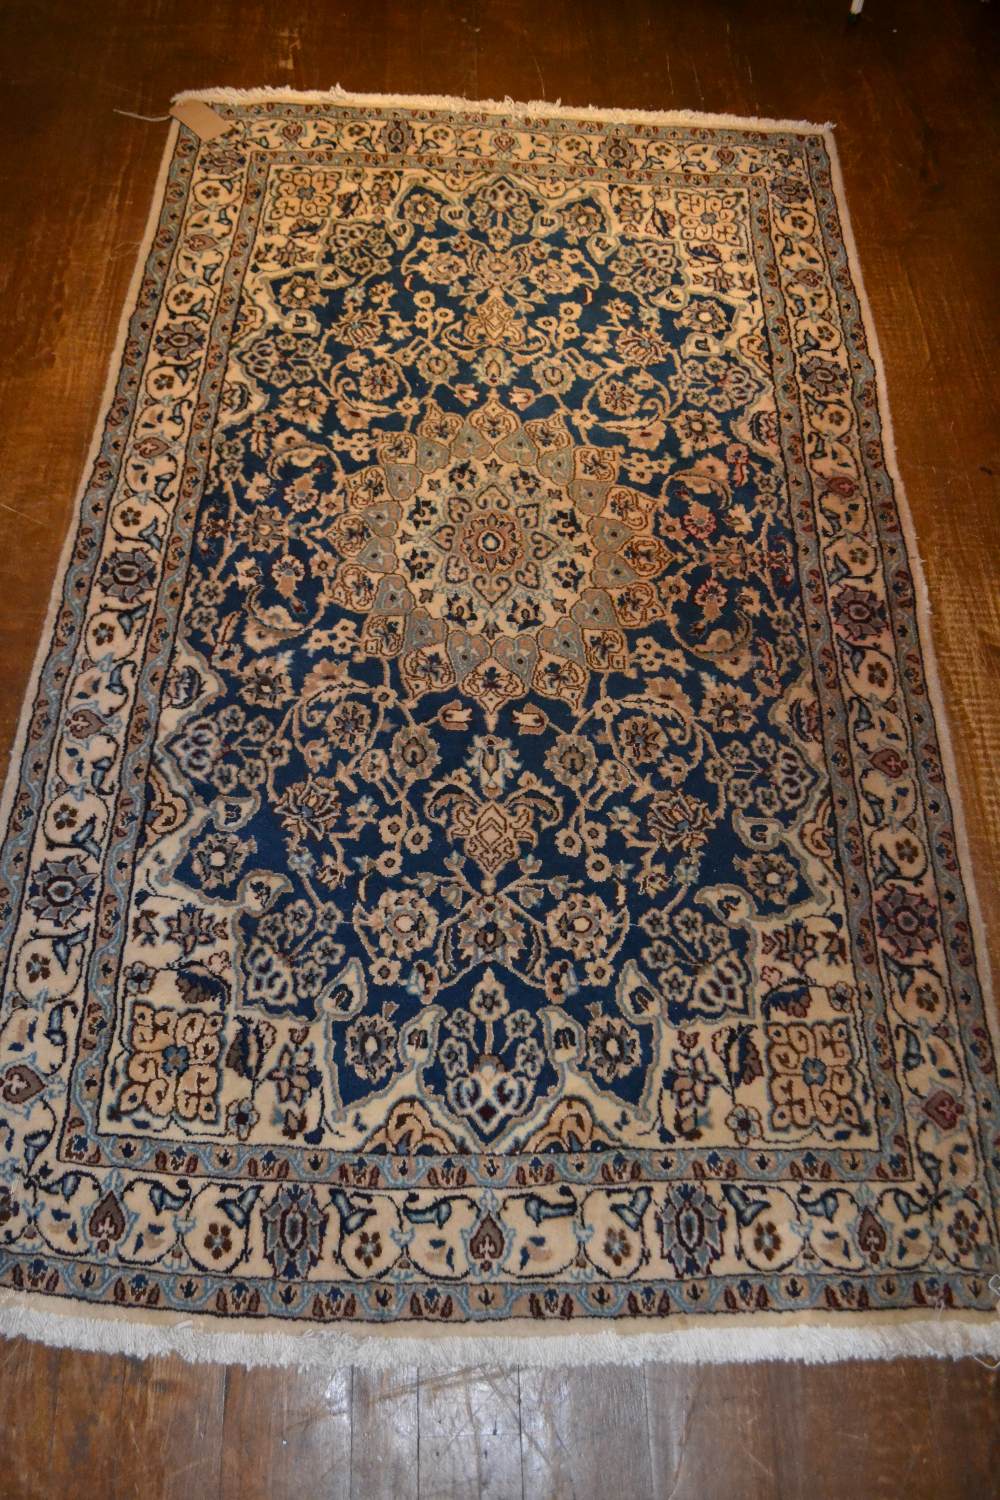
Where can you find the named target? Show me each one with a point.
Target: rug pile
(479, 859)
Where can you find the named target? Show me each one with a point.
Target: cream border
(923, 601)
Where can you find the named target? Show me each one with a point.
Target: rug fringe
(518, 108)
(924, 1336)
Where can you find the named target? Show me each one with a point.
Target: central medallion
(497, 557)
(485, 547)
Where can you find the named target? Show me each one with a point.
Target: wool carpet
(482, 865)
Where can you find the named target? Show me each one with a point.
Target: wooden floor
(912, 87)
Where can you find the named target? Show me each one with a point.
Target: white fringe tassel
(540, 108)
(692, 1341)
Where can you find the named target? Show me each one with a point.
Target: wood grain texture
(168, 1434)
(384, 1429)
(469, 1435)
(287, 1435)
(912, 86)
(569, 1417)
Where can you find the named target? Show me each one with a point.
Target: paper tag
(201, 119)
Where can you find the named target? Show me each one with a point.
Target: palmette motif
(481, 849)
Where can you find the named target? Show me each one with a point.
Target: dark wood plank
(706, 1436)
(286, 1435)
(385, 1435)
(169, 1436)
(83, 1457)
(29, 1381)
(963, 1406)
(836, 1445)
(470, 1446)
(585, 1433)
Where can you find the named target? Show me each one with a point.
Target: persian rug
(481, 860)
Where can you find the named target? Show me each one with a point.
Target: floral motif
(691, 1226)
(172, 1064)
(812, 1077)
(293, 1231)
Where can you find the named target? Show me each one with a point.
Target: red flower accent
(907, 920)
(889, 762)
(944, 1109)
